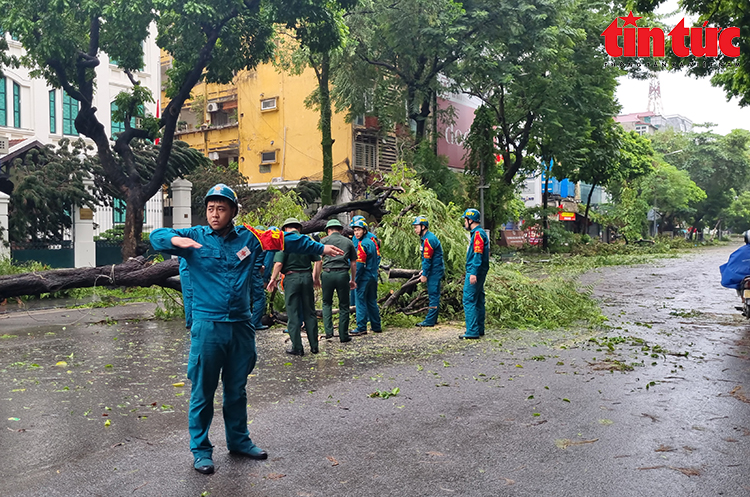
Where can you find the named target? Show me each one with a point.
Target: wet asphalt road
(510, 415)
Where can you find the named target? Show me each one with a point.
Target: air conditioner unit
(212, 107)
(268, 157)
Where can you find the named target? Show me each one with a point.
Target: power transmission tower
(654, 96)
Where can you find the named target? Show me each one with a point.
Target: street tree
(398, 52)
(737, 215)
(719, 165)
(317, 42)
(543, 75)
(206, 39)
(49, 183)
(615, 156)
(673, 195)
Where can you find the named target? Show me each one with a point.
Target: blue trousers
(367, 305)
(474, 305)
(433, 292)
(187, 294)
(226, 350)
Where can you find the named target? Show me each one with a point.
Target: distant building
(648, 123)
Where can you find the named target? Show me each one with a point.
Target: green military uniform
(335, 277)
(299, 297)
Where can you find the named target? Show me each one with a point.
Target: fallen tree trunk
(374, 207)
(398, 273)
(139, 272)
(134, 272)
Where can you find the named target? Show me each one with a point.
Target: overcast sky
(691, 97)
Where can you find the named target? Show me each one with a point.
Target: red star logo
(630, 19)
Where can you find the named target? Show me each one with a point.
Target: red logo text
(649, 42)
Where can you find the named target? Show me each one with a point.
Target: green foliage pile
(515, 300)
(400, 246)
(279, 206)
(7, 266)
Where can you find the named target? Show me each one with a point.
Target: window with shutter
(70, 112)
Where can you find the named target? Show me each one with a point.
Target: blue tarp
(736, 268)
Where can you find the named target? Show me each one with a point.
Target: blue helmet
(421, 220)
(354, 219)
(473, 215)
(359, 223)
(221, 191)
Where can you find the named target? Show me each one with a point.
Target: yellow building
(260, 121)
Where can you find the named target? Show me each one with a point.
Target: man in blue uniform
(433, 268)
(477, 265)
(370, 236)
(220, 258)
(366, 280)
(267, 271)
(258, 291)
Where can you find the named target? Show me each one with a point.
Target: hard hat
(334, 223)
(359, 223)
(472, 215)
(354, 219)
(221, 191)
(421, 220)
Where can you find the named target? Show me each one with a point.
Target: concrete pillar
(83, 233)
(181, 213)
(4, 226)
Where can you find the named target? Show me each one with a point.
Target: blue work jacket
(367, 261)
(478, 253)
(432, 256)
(222, 269)
(376, 241)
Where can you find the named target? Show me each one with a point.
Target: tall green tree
(209, 39)
(719, 165)
(318, 42)
(483, 172)
(398, 52)
(672, 194)
(615, 156)
(544, 76)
